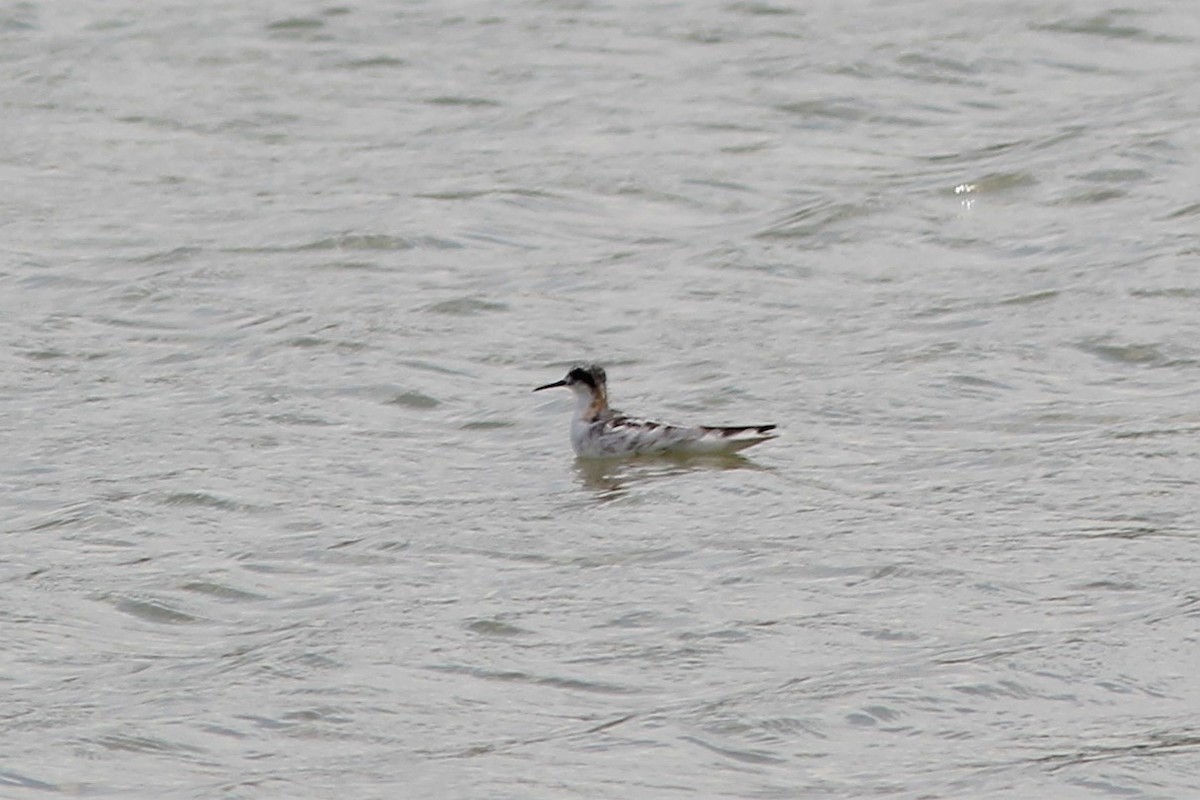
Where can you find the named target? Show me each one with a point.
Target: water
(282, 518)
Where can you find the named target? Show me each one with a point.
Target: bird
(598, 431)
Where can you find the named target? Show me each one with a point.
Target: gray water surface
(281, 517)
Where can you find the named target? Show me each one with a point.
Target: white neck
(588, 401)
(584, 399)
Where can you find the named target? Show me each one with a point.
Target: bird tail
(734, 438)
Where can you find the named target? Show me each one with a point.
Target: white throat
(583, 399)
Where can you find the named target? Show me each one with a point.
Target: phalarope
(598, 431)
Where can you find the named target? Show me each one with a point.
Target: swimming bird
(598, 431)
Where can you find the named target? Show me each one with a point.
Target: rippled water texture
(281, 517)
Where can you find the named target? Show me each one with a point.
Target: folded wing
(628, 436)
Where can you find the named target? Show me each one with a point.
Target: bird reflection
(610, 479)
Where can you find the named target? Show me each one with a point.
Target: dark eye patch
(581, 375)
